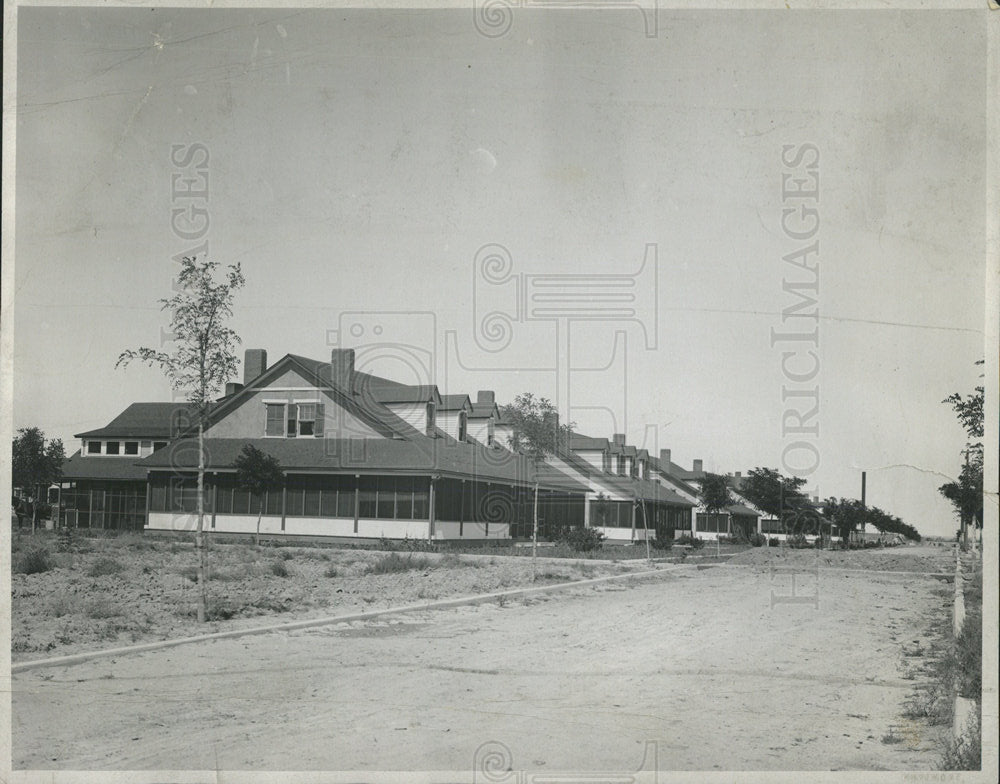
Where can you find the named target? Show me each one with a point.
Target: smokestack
(487, 396)
(254, 364)
(697, 466)
(619, 439)
(342, 367)
(665, 456)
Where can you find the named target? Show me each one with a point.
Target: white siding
(414, 414)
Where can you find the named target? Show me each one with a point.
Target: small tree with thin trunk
(35, 464)
(257, 472)
(536, 434)
(203, 360)
(715, 495)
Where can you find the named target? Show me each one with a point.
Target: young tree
(257, 472)
(203, 360)
(35, 464)
(715, 495)
(536, 433)
(966, 494)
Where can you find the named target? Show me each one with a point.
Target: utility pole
(864, 506)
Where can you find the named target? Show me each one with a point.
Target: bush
(105, 566)
(394, 562)
(774, 541)
(330, 571)
(279, 569)
(661, 544)
(758, 540)
(798, 541)
(582, 540)
(693, 541)
(33, 560)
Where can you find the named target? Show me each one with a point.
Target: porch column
(357, 499)
(430, 509)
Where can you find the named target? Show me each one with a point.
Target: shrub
(104, 566)
(583, 540)
(758, 540)
(33, 560)
(774, 541)
(330, 571)
(693, 541)
(103, 608)
(279, 569)
(394, 562)
(661, 544)
(966, 751)
(798, 541)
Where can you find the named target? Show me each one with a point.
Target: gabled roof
(80, 466)
(582, 443)
(146, 420)
(455, 403)
(484, 411)
(367, 456)
(672, 472)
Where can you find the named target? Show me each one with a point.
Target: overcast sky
(358, 160)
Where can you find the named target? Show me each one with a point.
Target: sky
(362, 166)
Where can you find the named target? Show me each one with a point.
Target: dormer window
(430, 418)
(462, 425)
(621, 465)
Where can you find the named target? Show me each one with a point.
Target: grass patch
(103, 608)
(105, 565)
(330, 571)
(966, 751)
(61, 604)
(394, 563)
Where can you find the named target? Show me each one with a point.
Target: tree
(846, 513)
(203, 360)
(35, 464)
(773, 493)
(715, 495)
(257, 472)
(536, 433)
(966, 493)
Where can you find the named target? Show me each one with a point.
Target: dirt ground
(713, 665)
(106, 593)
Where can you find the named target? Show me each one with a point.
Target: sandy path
(698, 661)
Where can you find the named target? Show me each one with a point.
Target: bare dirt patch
(103, 593)
(914, 558)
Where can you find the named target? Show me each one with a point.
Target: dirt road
(714, 665)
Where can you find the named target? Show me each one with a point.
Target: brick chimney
(342, 367)
(738, 474)
(487, 396)
(665, 457)
(254, 364)
(618, 438)
(698, 466)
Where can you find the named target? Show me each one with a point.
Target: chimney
(487, 396)
(254, 364)
(815, 499)
(738, 474)
(697, 466)
(665, 456)
(232, 388)
(342, 367)
(618, 438)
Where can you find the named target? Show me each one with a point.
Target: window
(462, 425)
(307, 419)
(93, 447)
(158, 445)
(112, 448)
(275, 421)
(131, 447)
(430, 417)
(367, 491)
(292, 430)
